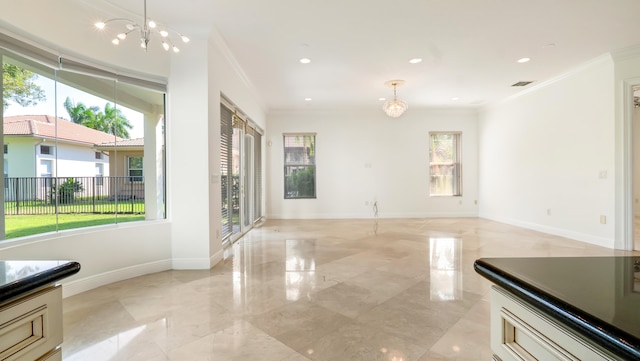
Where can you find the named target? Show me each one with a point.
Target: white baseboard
(190, 263)
(461, 214)
(77, 286)
(216, 257)
(577, 236)
(196, 263)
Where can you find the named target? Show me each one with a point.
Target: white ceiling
(469, 47)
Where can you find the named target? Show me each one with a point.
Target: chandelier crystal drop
(148, 30)
(395, 108)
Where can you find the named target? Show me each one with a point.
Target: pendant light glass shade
(395, 108)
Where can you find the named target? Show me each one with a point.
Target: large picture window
(299, 165)
(78, 146)
(444, 164)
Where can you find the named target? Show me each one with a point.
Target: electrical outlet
(548, 211)
(603, 219)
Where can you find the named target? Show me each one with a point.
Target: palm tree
(115, 121)
(112, 121)
(79, 113)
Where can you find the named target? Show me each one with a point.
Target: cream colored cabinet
(31, 326)
(519, 332)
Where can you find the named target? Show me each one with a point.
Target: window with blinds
(233, 128)
(444, 164)
(226, 136)
(299, 165)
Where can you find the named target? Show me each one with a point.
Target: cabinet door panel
(521, 332)
(31, 326)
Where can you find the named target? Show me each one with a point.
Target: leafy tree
(111, 121)
(18, 85)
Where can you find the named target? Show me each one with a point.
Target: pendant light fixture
(394, 108)
(147, 30)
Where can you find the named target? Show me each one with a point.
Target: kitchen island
(564, 308)
(31, 308)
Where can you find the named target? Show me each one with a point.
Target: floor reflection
(107, 349)
(313, 290)
(445, 261)
(300, 267)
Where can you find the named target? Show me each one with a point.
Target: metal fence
(51, 195)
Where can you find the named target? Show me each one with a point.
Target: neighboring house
(34, 147)
(126, 159)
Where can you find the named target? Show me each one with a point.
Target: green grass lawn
(25, 225)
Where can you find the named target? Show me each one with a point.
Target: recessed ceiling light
(382, 99)
(415, 60)
(455, 98)
(523, 60)
(307, 99)
(305, 60)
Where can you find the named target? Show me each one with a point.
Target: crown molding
(626, 53)
(221, 44)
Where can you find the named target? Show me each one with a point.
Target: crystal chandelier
(149, 29)
(394, 108)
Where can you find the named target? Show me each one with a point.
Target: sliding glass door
(240, 168)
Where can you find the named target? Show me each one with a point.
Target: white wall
(365, 156)
(196, 83)
(226, 78)
(106, 254)
(547, 157)
(75, 160)
(21, 156)
(187, 126)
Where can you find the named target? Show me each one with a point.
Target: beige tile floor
(400, 290)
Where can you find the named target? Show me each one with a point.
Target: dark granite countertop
(597, 297)
(20, 277)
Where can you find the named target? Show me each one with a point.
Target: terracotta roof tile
(45, 126)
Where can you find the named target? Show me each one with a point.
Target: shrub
(65, 191)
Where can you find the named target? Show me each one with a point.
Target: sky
(77, 96)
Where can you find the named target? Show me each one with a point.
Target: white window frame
(455, 165)
(307, 163)
(99, 174)
(132, 178)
